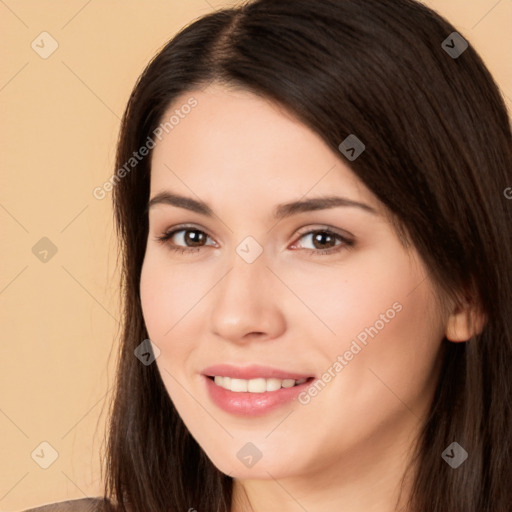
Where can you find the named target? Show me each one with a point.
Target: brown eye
(194, 237)
(323, 238)
(324, 241)
(184, 239)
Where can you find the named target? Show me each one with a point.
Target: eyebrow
(280, 211)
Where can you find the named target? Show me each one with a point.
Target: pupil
(322, 234)
(193, 237)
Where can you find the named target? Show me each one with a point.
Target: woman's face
(272, 294)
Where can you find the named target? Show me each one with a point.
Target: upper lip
(254, 371)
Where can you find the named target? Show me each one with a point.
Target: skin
(347, 449)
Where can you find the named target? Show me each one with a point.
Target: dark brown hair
(439, 157)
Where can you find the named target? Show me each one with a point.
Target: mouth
(257, 385)
(253, 390)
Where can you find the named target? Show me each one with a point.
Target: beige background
(59, 124)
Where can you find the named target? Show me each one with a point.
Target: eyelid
(324, 227)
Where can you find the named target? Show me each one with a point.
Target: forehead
(236, 142)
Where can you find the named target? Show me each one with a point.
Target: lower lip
(252, 404)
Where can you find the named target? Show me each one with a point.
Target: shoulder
(80, 505)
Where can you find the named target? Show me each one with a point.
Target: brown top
(80, 505)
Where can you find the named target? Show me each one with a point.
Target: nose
(246, 303)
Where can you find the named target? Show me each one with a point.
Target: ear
(465, 321)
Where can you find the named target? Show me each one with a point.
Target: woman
(311, 199)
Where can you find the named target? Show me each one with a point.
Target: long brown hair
(438, 155)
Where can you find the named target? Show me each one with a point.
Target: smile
(259, 385)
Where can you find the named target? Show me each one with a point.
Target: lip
(252, 404)
(253, 371)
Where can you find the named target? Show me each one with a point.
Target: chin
(263, 469)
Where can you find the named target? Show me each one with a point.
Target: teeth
(259, 385)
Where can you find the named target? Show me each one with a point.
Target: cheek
(404, 354)
(385, 324)
(154, 301)
(390, 361)
(349, 298)
(167, 294)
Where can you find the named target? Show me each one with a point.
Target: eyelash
(346, 242)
